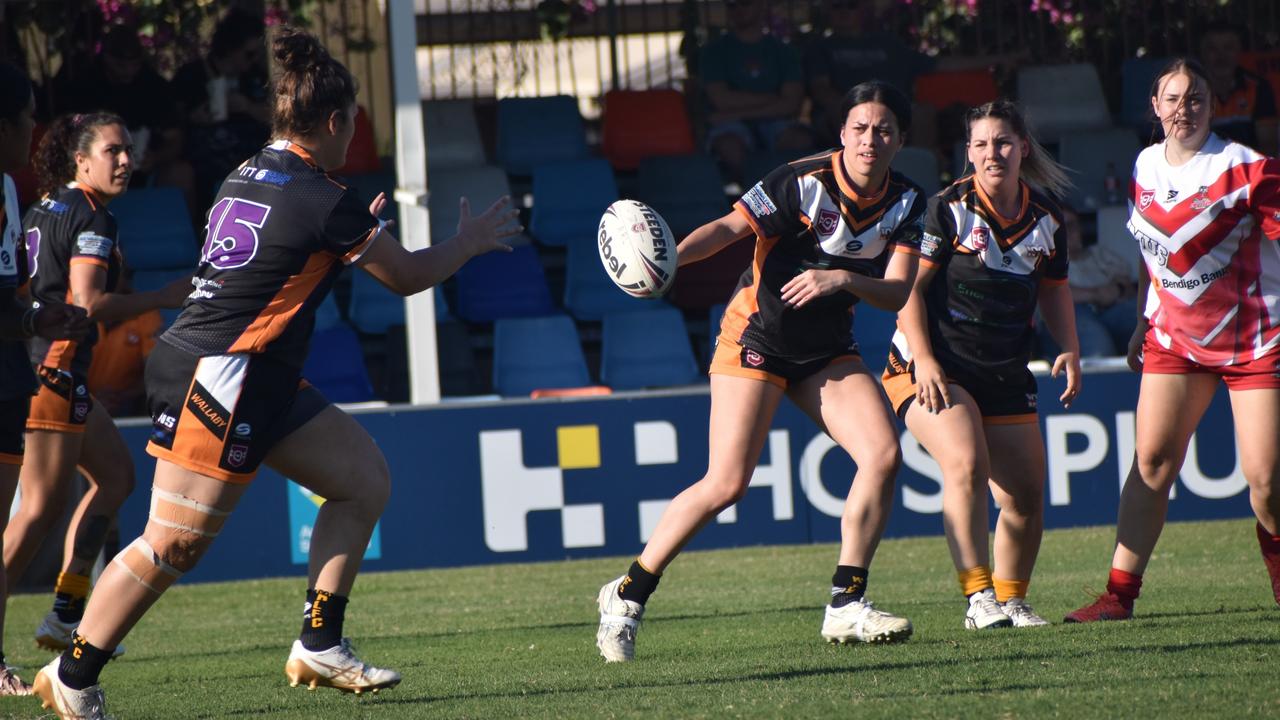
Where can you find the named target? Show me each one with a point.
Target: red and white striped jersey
(1207, 231)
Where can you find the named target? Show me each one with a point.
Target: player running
(993, 250)
(225, 391)
(1206, 215)
(83, 163)
(830, 230)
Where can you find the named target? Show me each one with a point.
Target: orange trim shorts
(1260, 374)
(62, 403)
(731, 358)
(220, 415)
(1003, 399)
(13, 429)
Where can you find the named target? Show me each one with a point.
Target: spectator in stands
(1244, 107)
(223, 99)
(124, 83)
(115, 374)
(1105, 294)
(752, 81)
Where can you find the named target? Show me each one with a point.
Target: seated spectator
(1105, 295)
(752, 81)
(223, 100)
(1244, 106)
(119, 358)
(124, 83)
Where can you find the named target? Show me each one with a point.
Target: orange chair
(362, 155)
(1266, 64)
(644, 123)
(970, 88)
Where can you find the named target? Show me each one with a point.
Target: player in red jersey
(83, 162)
(19, 320)
(1206, 215)
(993, 251)
(225, 390)
(830, 230)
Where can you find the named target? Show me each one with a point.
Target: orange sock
(77, 586)
(1006, 589)
(975, 579)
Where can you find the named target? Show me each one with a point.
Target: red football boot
(1271, 556)
(1108, 606)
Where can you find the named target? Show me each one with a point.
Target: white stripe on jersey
(976, 235)
(10, 236)
(834, 235)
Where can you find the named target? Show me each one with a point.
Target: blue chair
(155, 229)
(1062, 98)
(589, 294)
(480, 185)
(452, 134)
(533, 131)
(148, 280)
(1089, 154)
(1136, 76)
(648, 348)
(569, 198)
(327, 314)
(685, 189)
(373, 308)
(920, 165)
(503, 285)
(873, 328)
(335, 366)
(535, 353)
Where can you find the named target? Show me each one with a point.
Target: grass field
(729, 634)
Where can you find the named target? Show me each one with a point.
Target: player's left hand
(375, 209)
(1071, 363)
(810, 285)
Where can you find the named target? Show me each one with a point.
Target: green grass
(729, 634)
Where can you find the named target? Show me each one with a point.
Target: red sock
(1270, 543)
(1125, 586)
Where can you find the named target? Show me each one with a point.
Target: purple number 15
(232, 238)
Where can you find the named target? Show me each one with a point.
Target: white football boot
(1022, 614)
(338, 667)
(86, 704)
(53, 634)
(859, 621)
(11, 684)
(985, 612)
(619, 620)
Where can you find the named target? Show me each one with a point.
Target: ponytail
(311, 86)
(55, 160)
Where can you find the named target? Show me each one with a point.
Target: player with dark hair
(830, 231)
(83, 163)
(19, 320)
(1206, 214)
(993, 250)
(225, 391)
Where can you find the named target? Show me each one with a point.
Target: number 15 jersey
(278, 234)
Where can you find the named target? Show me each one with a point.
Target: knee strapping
(183, 514)
(147, 567)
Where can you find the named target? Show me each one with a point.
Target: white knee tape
(141, 561)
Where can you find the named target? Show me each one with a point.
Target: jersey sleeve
(772, 206)
(909, 233)
(1055, 268)
(94, 242)
(350, 228)
(1264, 196)
(938, 239)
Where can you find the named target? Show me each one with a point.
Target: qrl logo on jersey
(828, 221)
(979, 238)
(753, 358)
(237, 454)
(1144, 200)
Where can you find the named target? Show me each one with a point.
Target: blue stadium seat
(327, 314)
(647, 348)
(1062, 98)
(373, 308)
(569, 198)
(920, 165)
(533, 131)
(155, 229)
(503, 285)
(1136, 76)
(480, 185)
(685, 189)
(534, 353)
(335, 366)
(761, 163)
(148, 280)
(1088, 154)
(588, 292)
(873, 330)
(453, 137)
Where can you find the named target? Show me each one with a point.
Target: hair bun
(296, 50)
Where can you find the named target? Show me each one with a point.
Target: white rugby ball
(637, 249)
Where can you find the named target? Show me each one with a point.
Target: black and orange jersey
(1250, 100)
(806, 214)
(16, 378)
(69, 226)
(278, 234)
(981, 302)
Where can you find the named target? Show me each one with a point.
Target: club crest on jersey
(828, 221)
(1144, 200)
(753, 358)
(1201, 200)
(237, 454)
(979, 238)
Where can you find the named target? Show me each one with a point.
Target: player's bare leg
(10, 683)
(1016, 454)
(1257, 422)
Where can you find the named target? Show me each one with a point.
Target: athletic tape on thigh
(182, 513)
(141, 561)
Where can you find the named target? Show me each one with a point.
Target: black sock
(639, 584)
(322, 620)
(848, 584)
(70, 609)
(81, 664)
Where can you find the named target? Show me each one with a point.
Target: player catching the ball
(225, 391)
(830, 230)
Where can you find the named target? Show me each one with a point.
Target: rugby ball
(637, 249)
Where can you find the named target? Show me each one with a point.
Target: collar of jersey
(846, 184)
(991, 207)
(94, 198)
(296, 149)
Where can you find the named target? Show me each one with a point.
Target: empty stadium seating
(921, 166)
(646, 348)
(568, 199)
(969, 88)
(540, 352)
(452, 135)
(480, 185)
(1136, 76)
(638, 124)
(1091, 155)
(588, 292)
(1062, 98)
(373, 308)
(503, 285)
(532, 131)
(685, 189)
(335, 365)
(155, 229)
(873, 330)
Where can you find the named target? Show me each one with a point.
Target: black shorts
(62, 403)
(730, 358)
(1007, 398)
(13, 429)
(220, 415)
